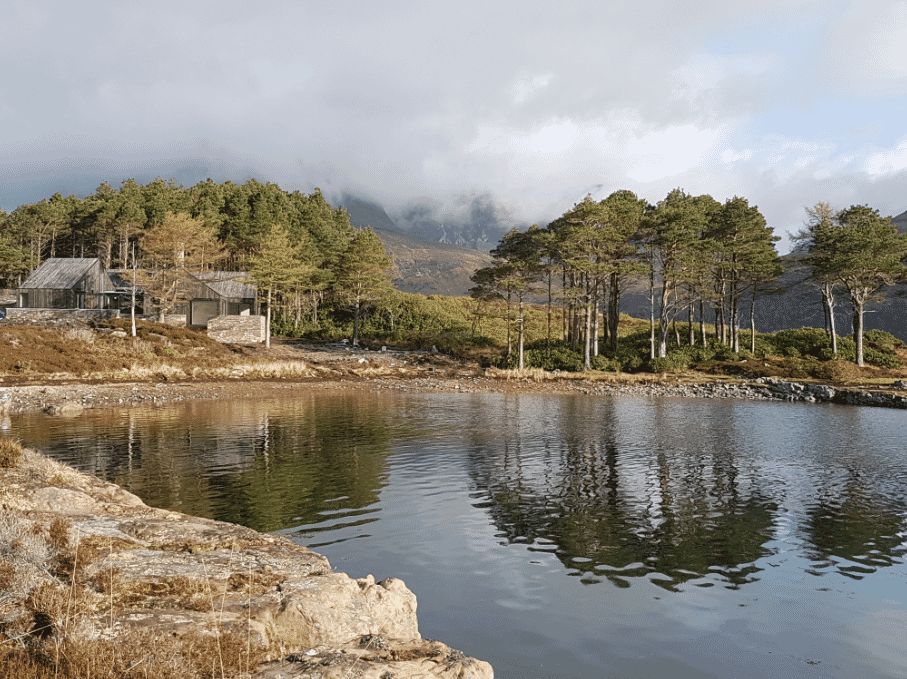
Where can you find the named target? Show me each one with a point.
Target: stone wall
(178, 320)
(50, 315)
(237, 329)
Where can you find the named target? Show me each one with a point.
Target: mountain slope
(419, 265)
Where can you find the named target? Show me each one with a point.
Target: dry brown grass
(86, 335)
(51, 635)
(11, 453)
(47, 468)
(30, 351)
(134, 654)
(62, 617)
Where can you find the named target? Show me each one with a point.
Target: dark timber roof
(59, 273)
(232, 284)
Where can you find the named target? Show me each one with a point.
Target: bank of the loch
(70, 399)
(93, 582)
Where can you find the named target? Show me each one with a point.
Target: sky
(532, 104)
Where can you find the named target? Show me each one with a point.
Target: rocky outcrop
(138, 569)
(823, 393)
(762, 389)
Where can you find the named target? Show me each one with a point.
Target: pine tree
(362, 273)
(864, 251)
(744, 252)
(178, 246)
(517, 271)
(278, 267)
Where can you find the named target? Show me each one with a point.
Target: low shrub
(725, 353)
(677, 361)
(547, 355)
(605, 364)
(882, 339)
(881, 357)
(799, 342)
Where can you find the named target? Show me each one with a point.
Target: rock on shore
(150, 569)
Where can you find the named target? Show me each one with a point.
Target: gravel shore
(340, 367)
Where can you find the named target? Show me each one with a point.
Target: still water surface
(561, 536)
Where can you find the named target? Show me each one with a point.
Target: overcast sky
(784, 103)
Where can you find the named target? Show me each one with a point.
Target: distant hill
(901, 221)
(429, 268)
(473, 223)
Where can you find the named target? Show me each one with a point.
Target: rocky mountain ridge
(420, 265)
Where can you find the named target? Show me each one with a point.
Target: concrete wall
(45, 315)
(237, 329)
(178, 320)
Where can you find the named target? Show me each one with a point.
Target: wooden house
(66, 283)
(77, 283)
(219, 293)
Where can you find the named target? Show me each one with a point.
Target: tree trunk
(520, 321)
(691, 335)
(702, 336)
(268, 321)
(828, 297)
(509, 340)
(663, 321)
(614, 311)
(564, 307)
(587, 354)
(753, 323)
(132, 304)
(858, 329)
(595, 323)
(652, 313)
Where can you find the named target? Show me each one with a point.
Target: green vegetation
(320, 278)
(692, 250)
(859, 250)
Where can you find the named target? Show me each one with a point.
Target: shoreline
(71, 397)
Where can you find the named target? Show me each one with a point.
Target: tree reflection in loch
(618, 510)
(571, 536)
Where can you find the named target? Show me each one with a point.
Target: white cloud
(524, 88)
(530, 103)
(865, 52)
(887, 162)
(670, 152)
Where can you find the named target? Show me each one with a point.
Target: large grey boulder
(139, 570)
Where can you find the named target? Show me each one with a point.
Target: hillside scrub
(796, 354)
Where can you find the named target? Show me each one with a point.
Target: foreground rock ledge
(179, 575)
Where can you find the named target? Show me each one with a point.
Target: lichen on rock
(117, 575)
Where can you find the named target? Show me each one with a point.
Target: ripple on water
(700, 517)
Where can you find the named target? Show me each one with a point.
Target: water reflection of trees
(617, 495)
(852, 527)
(264, 464)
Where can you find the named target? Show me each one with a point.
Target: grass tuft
(11, 453)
